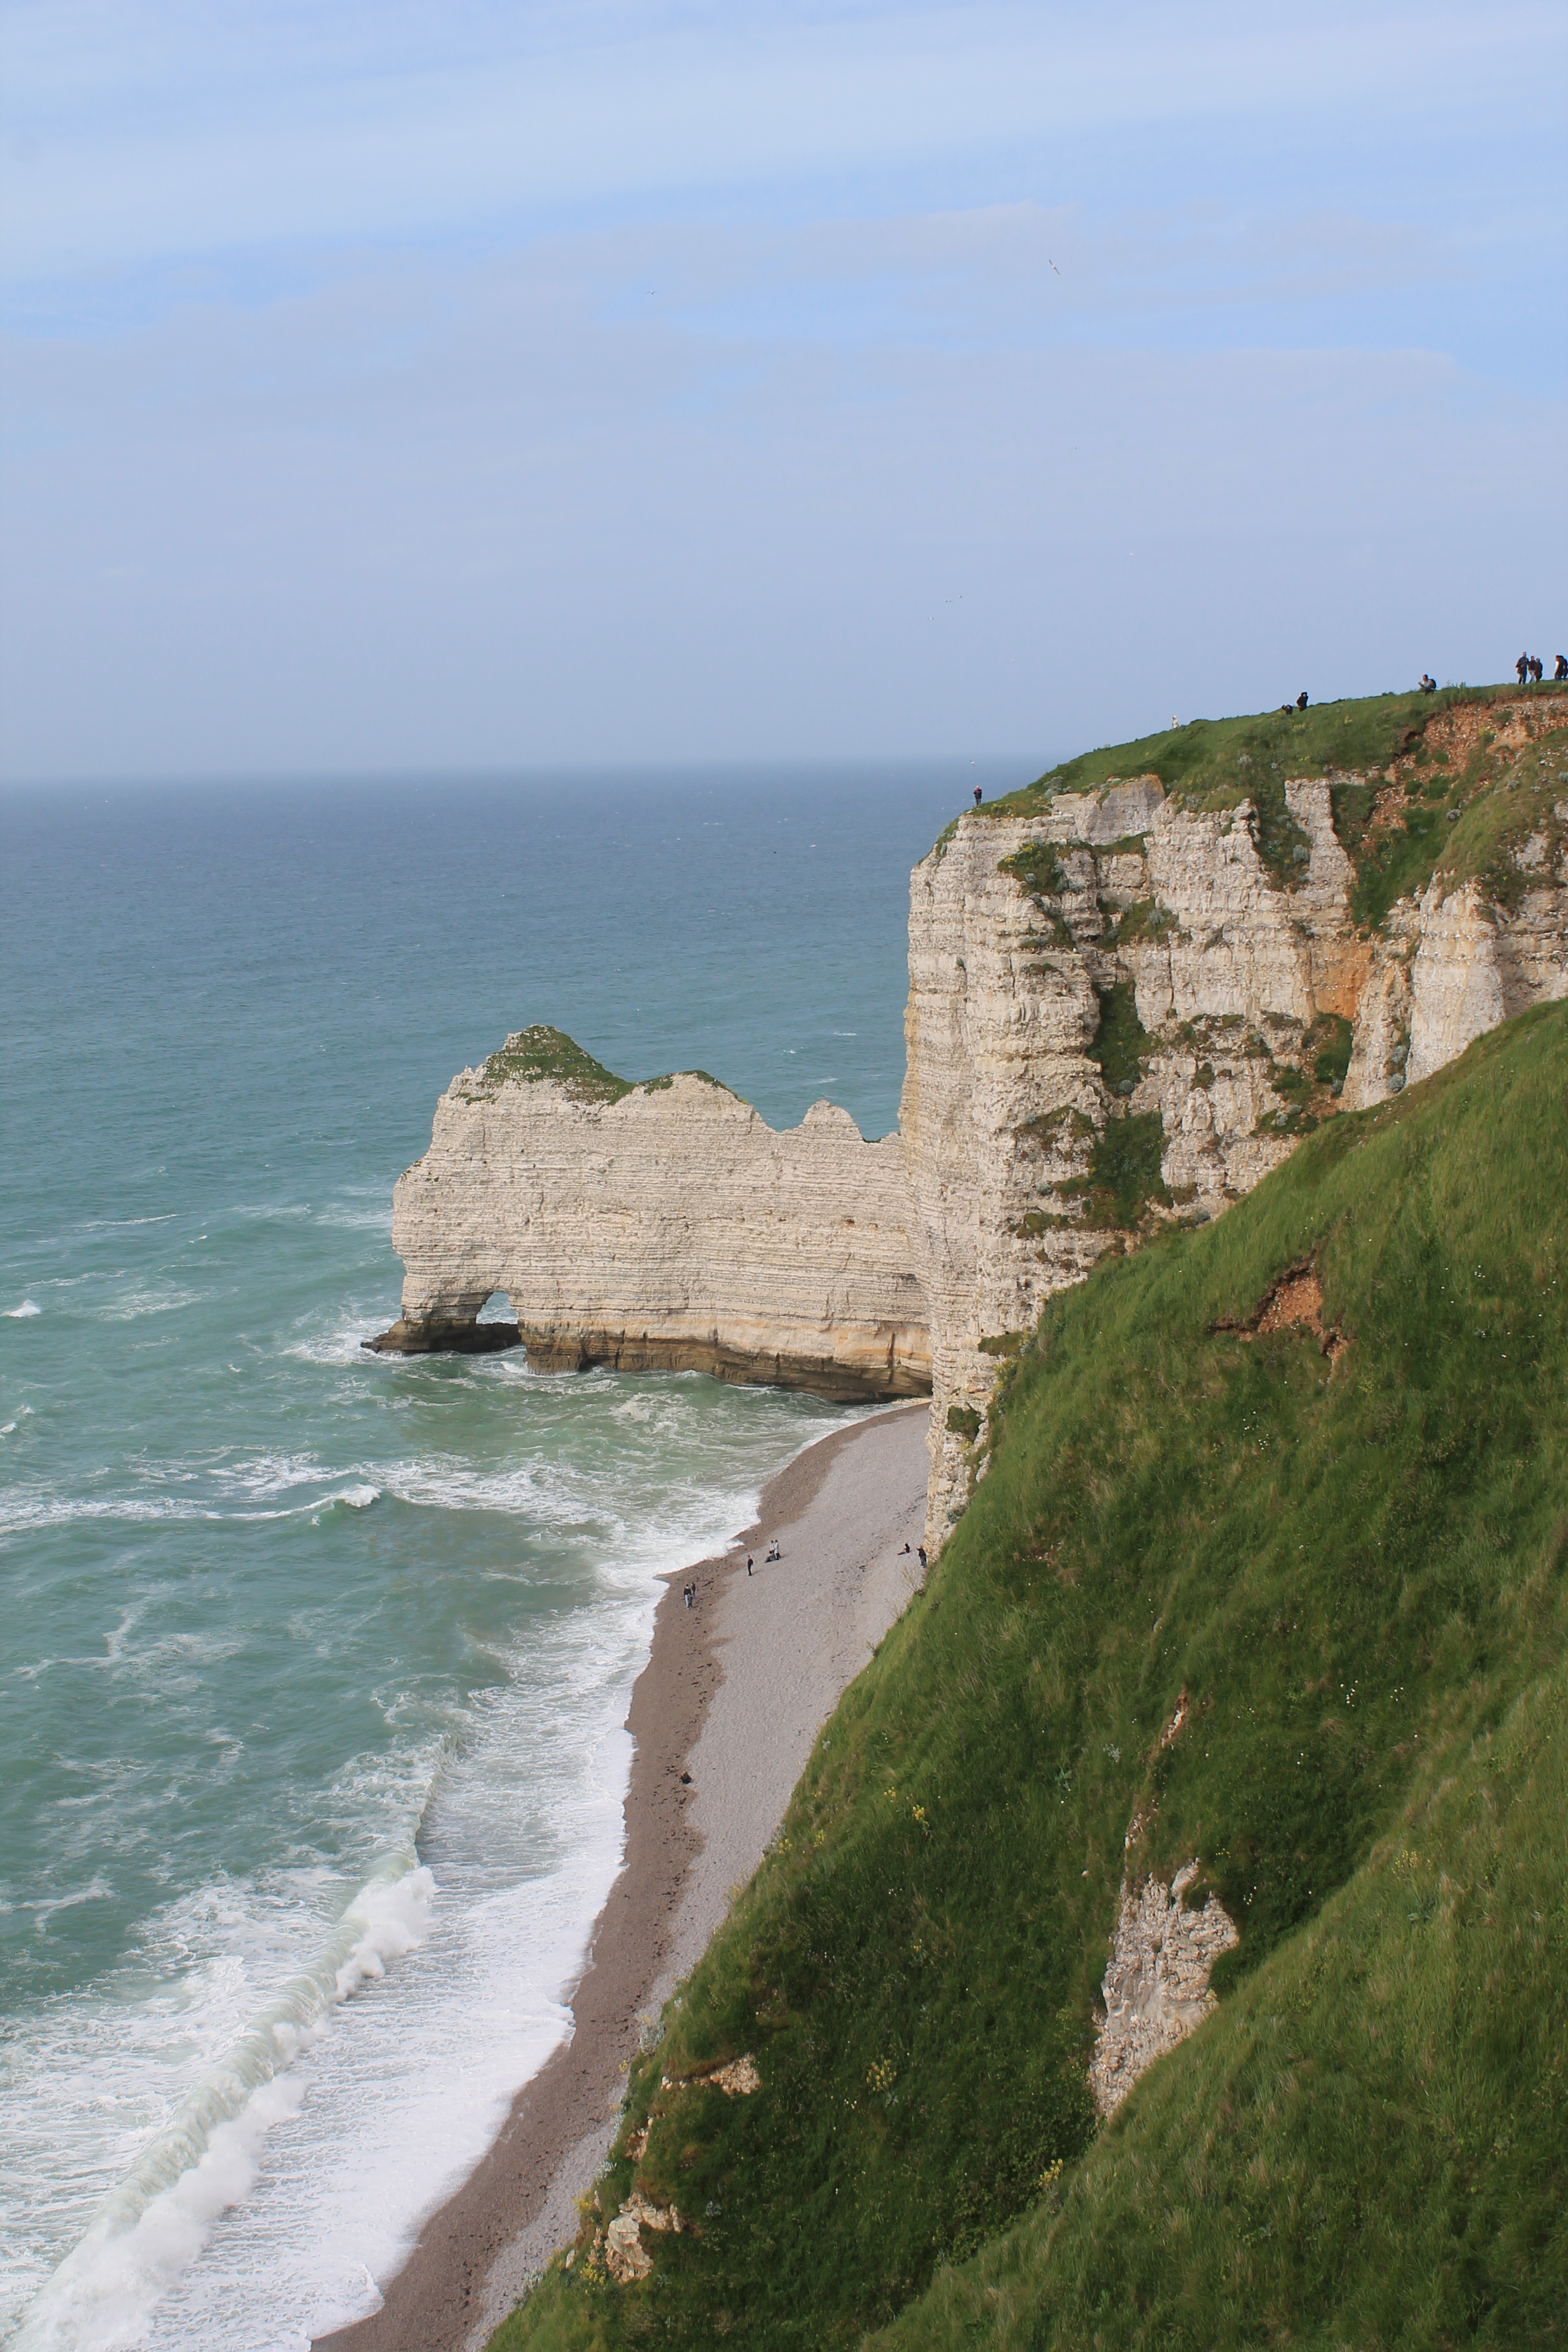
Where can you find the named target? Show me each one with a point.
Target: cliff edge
(1134, 987)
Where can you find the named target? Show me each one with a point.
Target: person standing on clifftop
(977, 796)
(1521, 668)
(1560, 672)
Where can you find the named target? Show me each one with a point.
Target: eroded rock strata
(661, 1227)
(1123, 1010)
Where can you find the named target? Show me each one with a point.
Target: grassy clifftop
(533, 1056)
(1345, 1571)
(1419, 780)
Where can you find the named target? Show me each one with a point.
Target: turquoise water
(315, 1664)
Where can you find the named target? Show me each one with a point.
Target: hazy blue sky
(404, 385)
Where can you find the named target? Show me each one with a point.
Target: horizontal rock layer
(1110, 957)
(665, 1229)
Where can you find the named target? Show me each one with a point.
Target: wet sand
(732, 1695)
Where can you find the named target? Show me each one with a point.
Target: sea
(314, 1665)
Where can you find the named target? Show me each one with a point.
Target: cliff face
(1112, 959)
(660, 1227)
(1124, 1008)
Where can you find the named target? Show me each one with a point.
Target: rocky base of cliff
(447, 1336)
(821, 1374)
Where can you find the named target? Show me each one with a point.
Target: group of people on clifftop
(1530, 670)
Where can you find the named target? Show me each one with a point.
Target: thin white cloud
(138, 132)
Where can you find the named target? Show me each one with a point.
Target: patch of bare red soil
(1294, 1302)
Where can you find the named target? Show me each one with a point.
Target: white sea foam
(34, 1508)
(342, 1342)
(128, 1305)
(259, 2157)
(29, 1510)
(374, 1219)
(207, 2156)
(270, 1473)
(121, 1224)
(24, 1313)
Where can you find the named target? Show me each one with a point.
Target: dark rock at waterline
(444, 1339)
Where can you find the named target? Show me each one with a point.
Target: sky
(417, 387)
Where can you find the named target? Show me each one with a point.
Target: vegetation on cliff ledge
(532, 1055)
(1421, 781)
(1333, 1551)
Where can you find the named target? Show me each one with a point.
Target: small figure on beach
(689, 1593)
(977, 796)
(906, 1549)
(1560, 672)
(923, 1555)
(1428, 682)
(1521, 668)
(772, 1552)
(748, 1563)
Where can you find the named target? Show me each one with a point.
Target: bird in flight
(1053, 265)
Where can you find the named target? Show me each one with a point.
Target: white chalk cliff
(666, 1225)
(660, 1227)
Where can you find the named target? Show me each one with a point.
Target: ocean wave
(341, 1342)
(119, 1224)
(22, 1314)
(342, 1218)
(27, 1510)
(133, 1304)
(206, 2159)
(31, 1511)
(271, 1473)
(307, 2177)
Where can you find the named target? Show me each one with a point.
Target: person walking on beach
(748, 1563)
(923, 1555)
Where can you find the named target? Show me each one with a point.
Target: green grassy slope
(1369, 2144)
(1355, 1573)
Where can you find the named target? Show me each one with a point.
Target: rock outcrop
(660, 1227)
(1156, 1985)
(1123, 1010)
(625, 2257)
